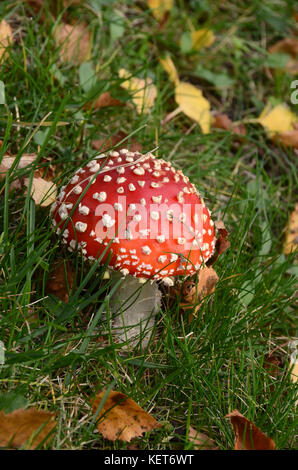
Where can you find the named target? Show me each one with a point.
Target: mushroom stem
(133, 309)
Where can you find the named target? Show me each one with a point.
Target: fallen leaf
(200, 440)
(8, 161)
(160, 8)
(143, 91)
(122, 418)
(287, 46)
(169, 67)
(222, 244)
(288, 138)
(291, 241)
(247, 435)
(202, 38)
(110, 142)
(104, 100)
(74, 42)
(29, 426)
(193, 294)
(192, 103)
(60, 280)
(222, 121)
(277, 119)
(6, 38)
(43, 192)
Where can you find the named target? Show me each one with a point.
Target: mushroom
(139, 213)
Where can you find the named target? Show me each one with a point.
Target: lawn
(196, 369)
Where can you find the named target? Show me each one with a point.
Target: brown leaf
(122, 418)
(105, 99)
(61, 280)
(222, 121)
(43, 192)
(193, 293)
(288, 138)
(287, 46)
(201, 441)
(222, 244)
(6, 38)
(75, 42)
(110, 142)
(247, 435)
(291, 241)
(21, 425)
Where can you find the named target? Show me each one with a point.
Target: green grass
(58, 356)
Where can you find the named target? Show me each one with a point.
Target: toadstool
(139, 213)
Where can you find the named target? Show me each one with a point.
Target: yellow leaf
(194, 105)
(170, 68)
(143, 91)
(6, 38)
(291, 241)
(160, 7)
(43, 192)
(277, 119)
(202, 38)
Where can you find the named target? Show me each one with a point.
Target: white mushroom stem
(133, 309)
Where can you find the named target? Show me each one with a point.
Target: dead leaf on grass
(160, 8)
(280, 123)
(291, 241)
(29, 426)
(202, 38)
(104, 100)
(43, 192)
(122, 418)
(74, 42)
(189, 98)
(222, 121)
(200, 440)
(193, 293)
(287, 46)
(247, 435)
(6, 38)
(61, 280)
(143, 91)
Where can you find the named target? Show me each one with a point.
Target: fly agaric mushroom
(139, 213)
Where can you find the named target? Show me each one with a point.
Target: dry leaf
(105, 99)
(110, 142)
(169, 67)
(222, 121)
(160, 8)
(192, 103)
(280, 124)
(193, 293)
(201, 441)
(143, 91)
(75, 42)
(277, 119)
(21, 425)
(6, 38)
(122, 418)
(291, 242)
(287, 46)
(43, 192)
(8, 161)
(202, 38)
(247, 435)
(222, 244)
(61, 280)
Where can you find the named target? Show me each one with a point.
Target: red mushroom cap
(151, 216)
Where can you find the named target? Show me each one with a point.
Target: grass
(60, 355)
